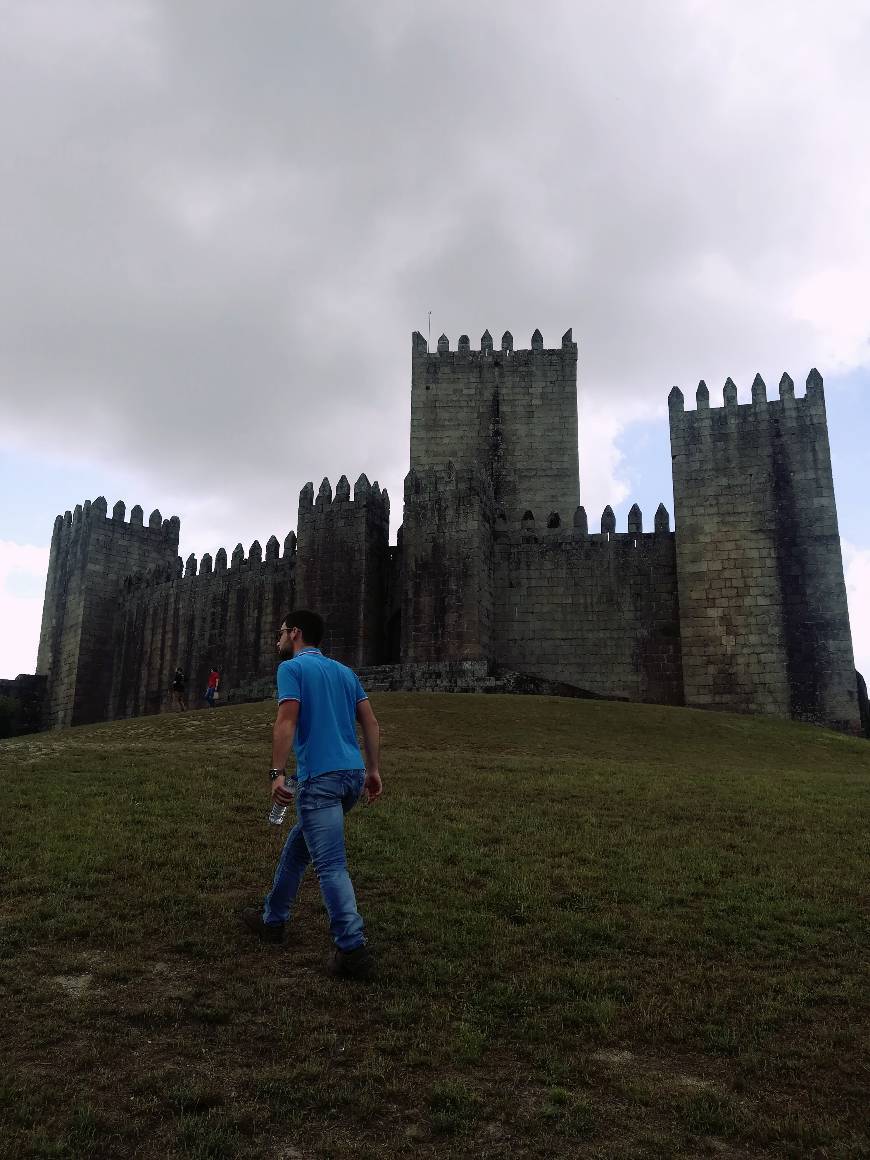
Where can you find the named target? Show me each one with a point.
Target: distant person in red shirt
(212, 687)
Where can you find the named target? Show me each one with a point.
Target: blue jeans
(318, 837)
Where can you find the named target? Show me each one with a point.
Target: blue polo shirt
(328, 694)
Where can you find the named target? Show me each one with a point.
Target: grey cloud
(222, 221)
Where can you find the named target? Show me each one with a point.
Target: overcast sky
(221, 222)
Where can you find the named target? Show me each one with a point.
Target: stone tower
(493, 434)
(764, 622)
(342, 559)
(91, 553)
(509, 414)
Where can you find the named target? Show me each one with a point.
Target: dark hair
(310, 624)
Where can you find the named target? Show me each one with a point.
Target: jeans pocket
(354, 782)
(320, 791)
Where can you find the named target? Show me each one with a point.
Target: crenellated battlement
(182, 570)
(92, 516)
(366, 496)
(504, 355)
(556, 530)
(760, 408)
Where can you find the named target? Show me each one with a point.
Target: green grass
(604, 930)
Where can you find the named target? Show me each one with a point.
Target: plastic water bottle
(278, 813)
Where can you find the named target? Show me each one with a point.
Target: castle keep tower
(510, 414)
(493, 433)
(763, 615)
(90, 556)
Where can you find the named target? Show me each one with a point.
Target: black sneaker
(268, 932)
(357, 964)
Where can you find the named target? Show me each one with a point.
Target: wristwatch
(273, 773)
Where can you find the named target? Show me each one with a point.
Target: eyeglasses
(281, 632)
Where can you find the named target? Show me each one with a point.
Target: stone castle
(496, 579)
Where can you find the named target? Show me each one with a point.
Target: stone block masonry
(508, 414)
(343, 566)
(495, 581)
(763, 616)
(90, 554)
(215, 615)
(597, 611)
(447, 546)
(27, 692)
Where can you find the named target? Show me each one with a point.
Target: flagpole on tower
(429, 339)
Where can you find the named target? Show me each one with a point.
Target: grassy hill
(604, 930)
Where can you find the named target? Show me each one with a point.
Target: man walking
(319, 703)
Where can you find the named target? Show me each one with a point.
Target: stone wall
(863, 704)
(763, 614)
(90, 555)
(511, 415)
(343, 567)
(447, 566)
(27, 694)
(597, 611)
(214, 615)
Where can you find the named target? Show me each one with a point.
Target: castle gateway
(495, 569)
